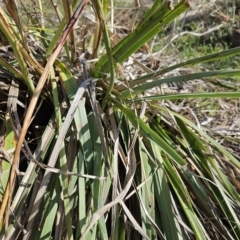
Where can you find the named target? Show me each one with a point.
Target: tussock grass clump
(92, 146)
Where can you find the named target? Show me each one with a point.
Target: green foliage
(110, 160)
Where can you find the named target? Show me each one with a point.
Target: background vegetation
(119, 120)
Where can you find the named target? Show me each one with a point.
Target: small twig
(58, 13)
(190, 33)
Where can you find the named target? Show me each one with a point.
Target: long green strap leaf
(208, 58)
(146, 131)
(181, 78)
(141, 35)
(188, 95)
